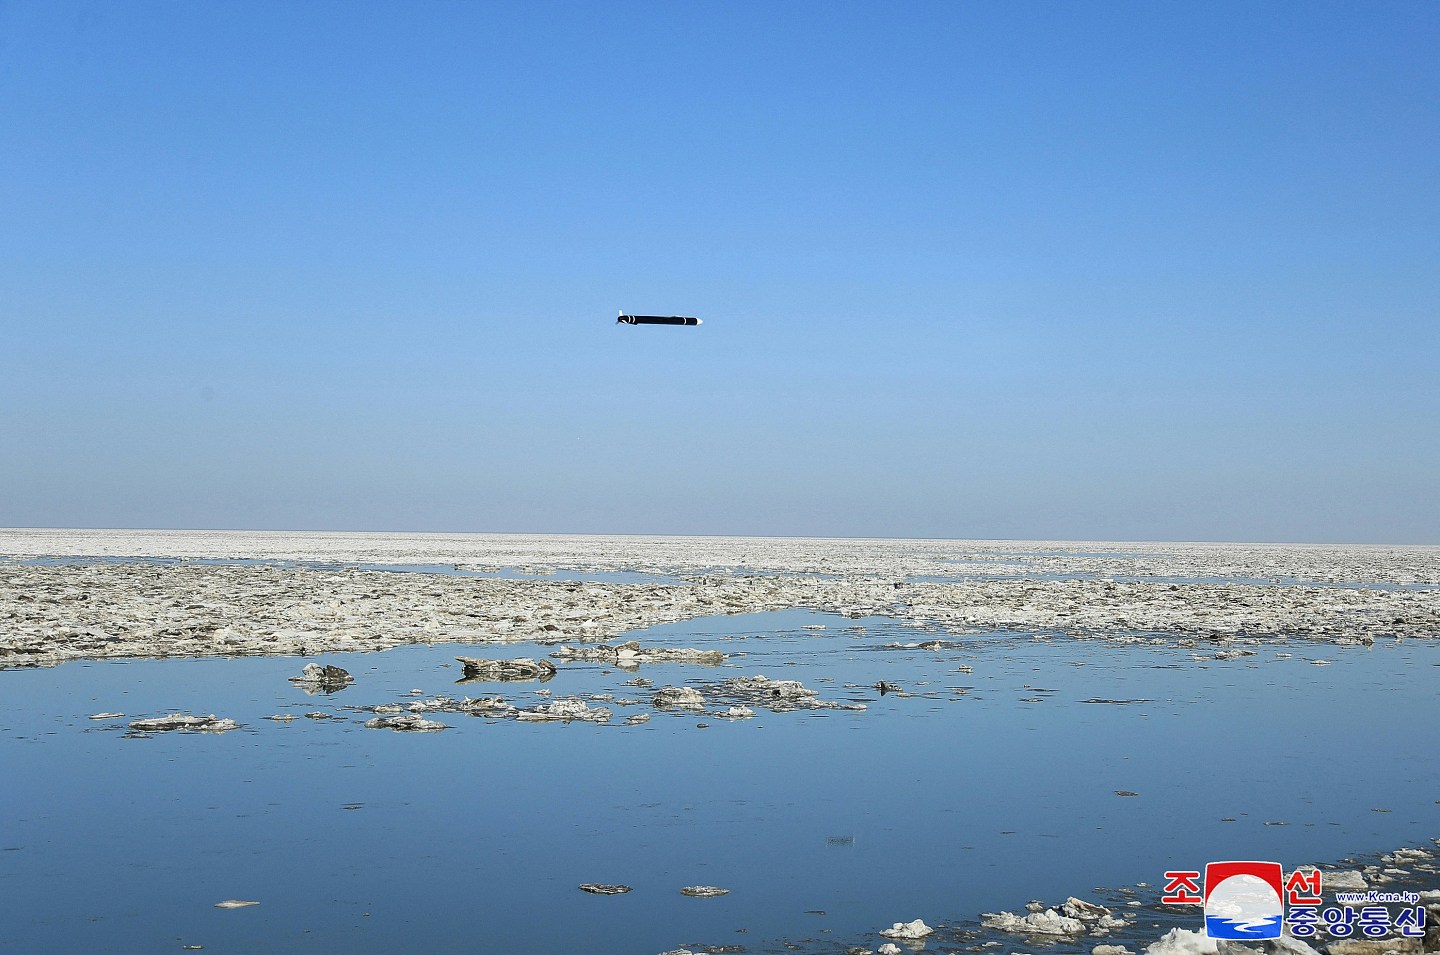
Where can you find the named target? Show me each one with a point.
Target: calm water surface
(970, 792)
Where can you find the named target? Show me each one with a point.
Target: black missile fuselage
(656, 320)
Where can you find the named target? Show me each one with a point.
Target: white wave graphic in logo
(1243, 906)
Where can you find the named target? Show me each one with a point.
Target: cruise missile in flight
(655, 319)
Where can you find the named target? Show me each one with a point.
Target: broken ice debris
(762, 689)
(1048, 922)
(681, 697)
(632, 654)
(601, 888)
(566, 709)
(1341, 879)
(910, 930)
(315, 678)
(522, 668)
(183, 721)
(1180, 941)
(408, 722)
(1098, 915)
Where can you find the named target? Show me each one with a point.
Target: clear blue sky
(1041, 270)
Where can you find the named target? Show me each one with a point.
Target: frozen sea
(1057, 719)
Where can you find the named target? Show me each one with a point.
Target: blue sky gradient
(1034, 270)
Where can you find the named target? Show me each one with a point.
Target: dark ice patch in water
(953, 799)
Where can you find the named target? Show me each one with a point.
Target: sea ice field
(944, 729)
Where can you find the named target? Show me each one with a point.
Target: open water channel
(992, 777)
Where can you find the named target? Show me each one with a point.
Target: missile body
(656, 320)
